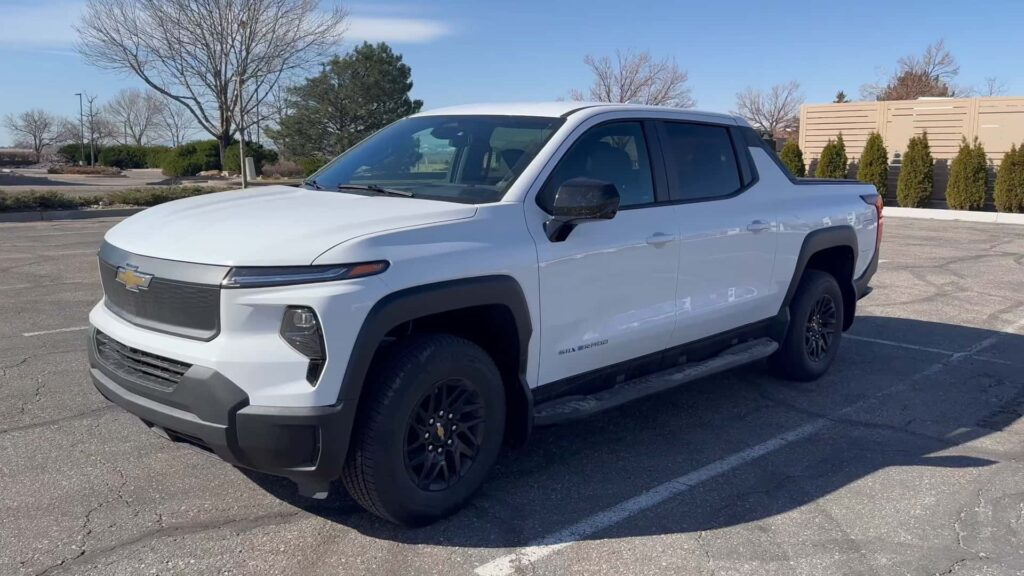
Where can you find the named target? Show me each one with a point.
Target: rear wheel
(815, 329)
(429, 430)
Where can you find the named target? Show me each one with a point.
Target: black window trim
(659, 176)
(741, 155)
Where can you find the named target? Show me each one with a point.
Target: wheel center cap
(440, 431)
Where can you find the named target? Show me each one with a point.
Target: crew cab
(464, 275)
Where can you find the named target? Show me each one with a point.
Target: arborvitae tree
(793, 159)
(841, 98)
(914, 188)
(1009, 193)
(874, 164)
(832, 163)
(968, 175)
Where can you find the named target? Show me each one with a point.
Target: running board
(575, 407)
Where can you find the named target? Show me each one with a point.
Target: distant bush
(874, 164)
(84, 170)
(968, 177)
(125, 157)
(283, 169)
(154, 196)
(49, 200)
(1009, 192)
(260, 157)
(73, 153)
(793, 158)
(191, 159)
(914, 188)
(832, 163)
(16, 157)
(54, 200)
(312, 164)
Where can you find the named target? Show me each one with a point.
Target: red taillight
(876, 199)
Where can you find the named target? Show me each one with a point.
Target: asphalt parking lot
(904, 459)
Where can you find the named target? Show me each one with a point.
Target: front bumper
(207, 410)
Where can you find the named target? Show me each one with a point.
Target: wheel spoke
(443, 434)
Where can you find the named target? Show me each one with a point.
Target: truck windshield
(468, 159)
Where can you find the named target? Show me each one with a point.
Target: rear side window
(702, 161)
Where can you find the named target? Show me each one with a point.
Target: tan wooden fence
(997, 122)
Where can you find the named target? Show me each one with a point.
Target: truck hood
(270, 226)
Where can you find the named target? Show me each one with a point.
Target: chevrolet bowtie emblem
(133, 279)
(440, 431)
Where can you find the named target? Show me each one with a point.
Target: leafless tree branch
(776, 111)
(638, 78)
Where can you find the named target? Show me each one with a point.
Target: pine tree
(832, 163)
(968, 175)
(793, 159)
(914, 188)
(1009, 192)
(874, 164)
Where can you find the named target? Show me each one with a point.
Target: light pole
(81, 127)
(243, 26)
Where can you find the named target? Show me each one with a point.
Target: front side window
(615, 152)
(702, 161)
(468, 159)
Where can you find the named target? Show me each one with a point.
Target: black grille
(174, 307)
(137, 365)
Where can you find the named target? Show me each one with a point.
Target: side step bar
(575, 407)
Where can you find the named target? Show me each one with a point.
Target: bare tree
(36, 128)
(993, 87)
(174, 123)
(194, 52)
(930, 74)
(776, 111)
(97, 127)
(137, 112)
(638, 78)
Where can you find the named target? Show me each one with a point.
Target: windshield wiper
(312, 182)
(377, 189)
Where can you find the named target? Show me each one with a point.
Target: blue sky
(473, 51)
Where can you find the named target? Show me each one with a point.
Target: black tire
(386, 472)
(815, 329)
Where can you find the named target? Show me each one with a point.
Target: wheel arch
(832, 250)
(494, 303)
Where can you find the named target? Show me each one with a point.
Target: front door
(607, 292)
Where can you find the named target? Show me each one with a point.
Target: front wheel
(815, 329)
(429, 430)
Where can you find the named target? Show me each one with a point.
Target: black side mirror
(580, 200)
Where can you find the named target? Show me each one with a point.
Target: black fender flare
(814, 242)
(425, 300)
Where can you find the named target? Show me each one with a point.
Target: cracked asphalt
(910, 459)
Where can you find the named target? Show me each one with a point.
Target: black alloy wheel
(820, 328)
(444, 435)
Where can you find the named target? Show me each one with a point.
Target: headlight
(264, 276)
(300, 328)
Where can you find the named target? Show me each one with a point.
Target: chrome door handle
(758, 226)
(660, 239)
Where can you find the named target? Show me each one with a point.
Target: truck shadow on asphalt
(912, 407)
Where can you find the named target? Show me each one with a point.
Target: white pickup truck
(464, 275)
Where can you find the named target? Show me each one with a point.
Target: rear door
(727, 228)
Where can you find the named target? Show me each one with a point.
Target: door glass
(703, 159)
(615, 153)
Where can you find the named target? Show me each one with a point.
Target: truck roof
(563, 108)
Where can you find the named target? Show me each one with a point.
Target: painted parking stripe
(58, 330)
(899, 344)
(510, 563)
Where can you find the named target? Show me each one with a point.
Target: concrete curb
(961, 215)
(48, 215)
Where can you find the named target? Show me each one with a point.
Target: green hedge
(261, 156)
(1009, 192)
(914, 188)
(124, 157)
(191, 158)
(793, 159)
(833, 162)
(874, 164)
(968, 177)
(54, 200)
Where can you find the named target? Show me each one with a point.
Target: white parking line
(543, 547)
(40, 333)
(898, 344)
